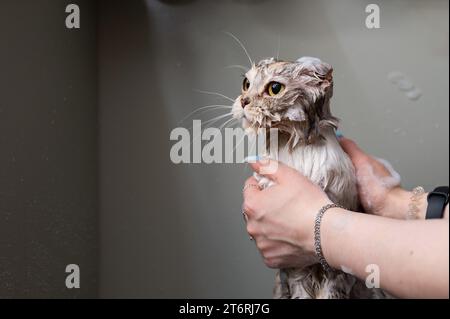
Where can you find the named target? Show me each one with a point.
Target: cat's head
(291, 96)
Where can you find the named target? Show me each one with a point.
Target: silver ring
(250, 185)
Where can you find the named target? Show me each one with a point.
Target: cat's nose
(245, 101)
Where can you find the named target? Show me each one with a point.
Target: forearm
(412, 256)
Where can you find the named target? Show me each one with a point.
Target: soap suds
(390, 181)
(404, 84)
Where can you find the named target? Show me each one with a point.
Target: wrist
(398, 204)
(305, 240)
(421, 205)
(334, 223)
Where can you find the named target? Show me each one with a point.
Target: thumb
(272, 169)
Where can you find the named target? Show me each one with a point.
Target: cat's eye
(246, 85)
(275, 88)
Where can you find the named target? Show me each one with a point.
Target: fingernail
(339, 134)
(252, 159)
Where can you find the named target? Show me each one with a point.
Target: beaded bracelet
(317, 241)
(413, 209)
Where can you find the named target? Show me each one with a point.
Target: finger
(272, 169)
(352, 149)
(251, 187)
(250, 192)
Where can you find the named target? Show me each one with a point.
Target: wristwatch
(437, 200)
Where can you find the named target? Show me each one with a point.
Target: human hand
(379, 185)
(281, 218)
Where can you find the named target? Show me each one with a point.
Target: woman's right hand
(379, 191)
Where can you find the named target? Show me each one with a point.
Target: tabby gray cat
(294, 97)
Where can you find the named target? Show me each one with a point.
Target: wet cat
(294, 97)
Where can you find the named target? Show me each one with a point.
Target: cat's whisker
(196, 137)
(242, 46)
(215, 119)
(278, 48)
(211, 108)
(216, 93)
(237, 66)
(211, 122)
(234, 123)
(202, 112)
(207, 108)
(224, 125)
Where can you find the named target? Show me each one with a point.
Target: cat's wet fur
(307, 142)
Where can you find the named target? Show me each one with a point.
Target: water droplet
(405, 85)
(414, 95)
(395, 76)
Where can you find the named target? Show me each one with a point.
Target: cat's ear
(318, 73)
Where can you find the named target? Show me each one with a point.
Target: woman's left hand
(281, 217)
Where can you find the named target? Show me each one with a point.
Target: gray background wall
(170, 230)
(176, 230)
(48, 150)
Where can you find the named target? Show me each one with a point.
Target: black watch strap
(437, 200)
